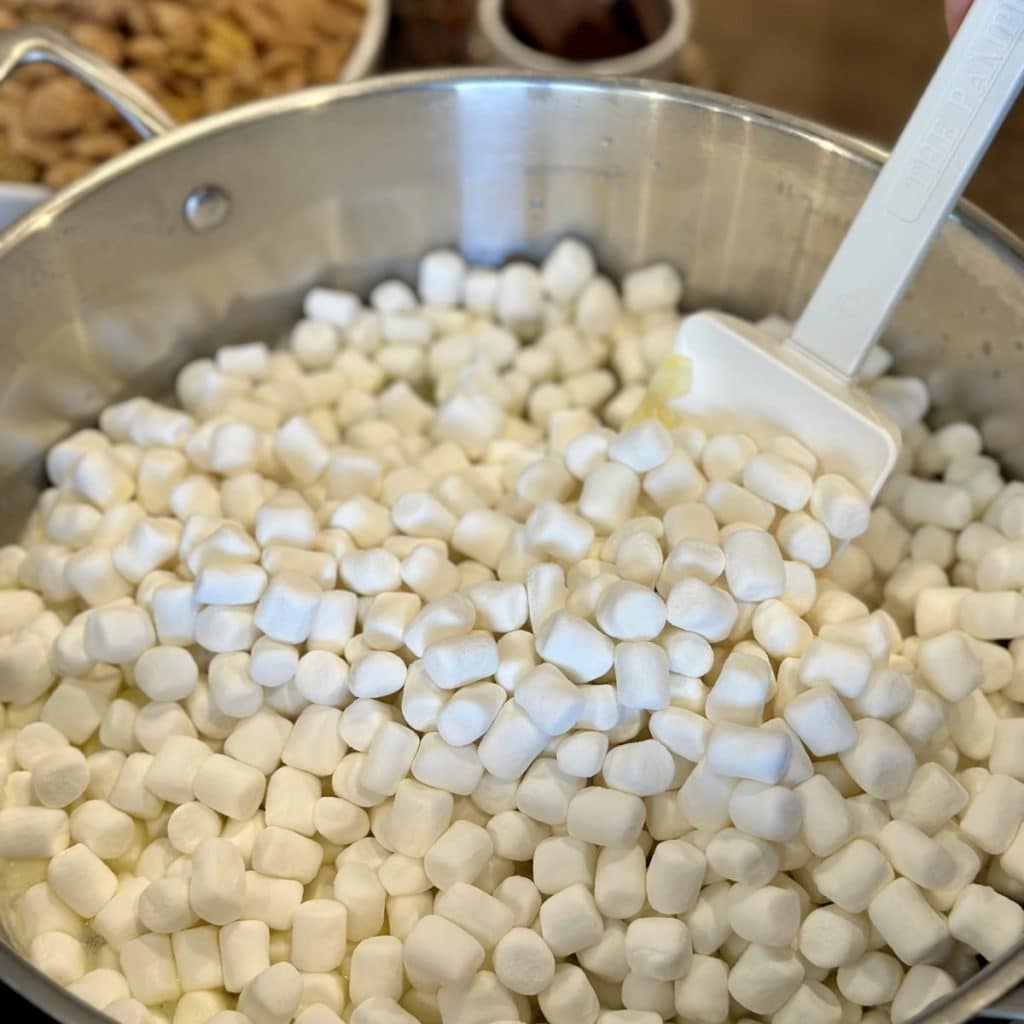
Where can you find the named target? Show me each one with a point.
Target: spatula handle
(949, 131)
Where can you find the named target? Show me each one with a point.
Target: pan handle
(33, 43)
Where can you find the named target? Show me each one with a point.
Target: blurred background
(858, 65)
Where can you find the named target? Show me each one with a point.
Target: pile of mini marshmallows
(405, 674)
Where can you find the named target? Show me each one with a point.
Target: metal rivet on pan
(206, 207)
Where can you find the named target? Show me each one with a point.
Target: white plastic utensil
(804, 386)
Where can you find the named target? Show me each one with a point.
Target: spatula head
(742, 379)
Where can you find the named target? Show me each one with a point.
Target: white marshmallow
(764, 978)
(768, 812)
(827, 824)
(853, 875)
(643, 768)
(753, 565)
(605, 817)
(840, 506)
(375, 969)
(880, 762)
(740, 691)
(229, 787)
(33, 833)
(674, 876)
(831, 937)
(821, 721)
(628, 611)
(702, 609)
(994, 813)
(910, 927)
(440, 950)
(916, 855)
(769, 916)
(217, 886)
(81, 879)
(742, 858)
(570, 921)
(703, 994)
(742, 752)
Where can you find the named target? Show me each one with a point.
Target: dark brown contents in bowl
(585, 30)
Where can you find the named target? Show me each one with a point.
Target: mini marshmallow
(628, 611)
(605, 817)
(916, 855)
(570, 921)
(880, 762)
(440, 950)
(778, 480)
(769, 916)
(217, 885)
(286, 610)
(553, 703)
(742, 858)
(768, 812)
(704, 797)
(803, 538)
(33, 833)
(993, 813)
(986, 921)
(375, 969)
(827, 824)
(377, 674)
(853, 875)
(821, 721)
(575, 647)
(843, 667)
(840, 506)
(511, 743)
(911, 928)
(643, 768)
(947, 663)
(59, 956)
(731, 504)
(272, 996)
(469, 713)
(764, 978)
(60, 778)
(552, 530)
(753, 565)
(742, 752)
(118, 634)
(684, 732)
(81, 879)
(740, 691)
(189, 824)
(995, 615)
(229, 787)
(674, 876)
(389, 757)
(256, 741)
(831, 937)
(703, 994)
(454, 662)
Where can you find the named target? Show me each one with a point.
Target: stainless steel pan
(209, 233)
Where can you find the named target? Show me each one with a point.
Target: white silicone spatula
(740, 376)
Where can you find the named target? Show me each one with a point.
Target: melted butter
(672, 379)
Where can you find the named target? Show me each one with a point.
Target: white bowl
(656, 60)
(365, 56)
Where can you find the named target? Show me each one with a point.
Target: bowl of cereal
(366, 654)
